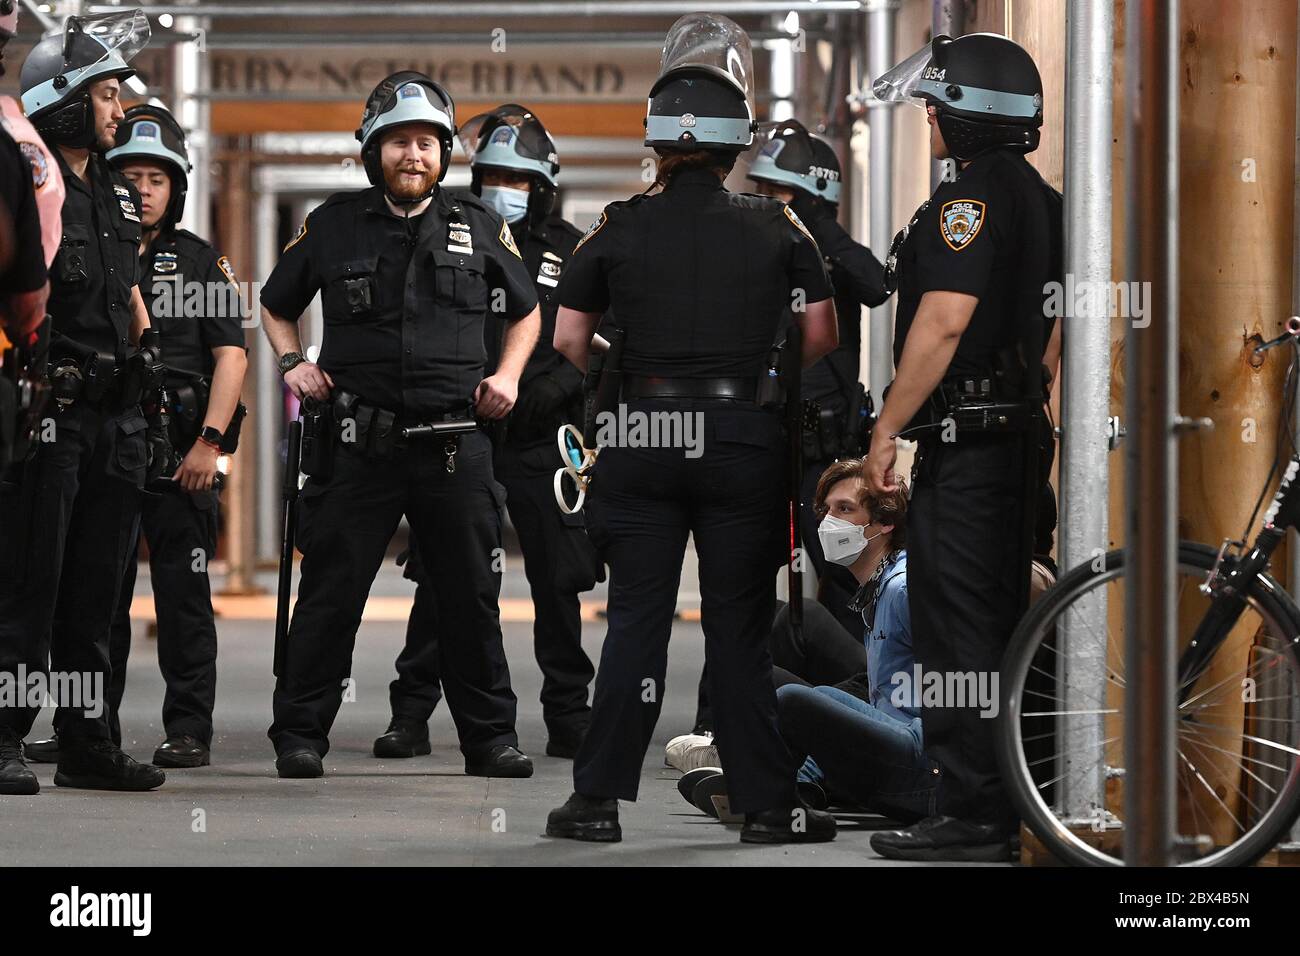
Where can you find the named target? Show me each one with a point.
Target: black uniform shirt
(98, 264)
(698, 277)
(27, 270)
(404, 302)
(546, 248)
(859, 279)
(988, 234)
(192, 298)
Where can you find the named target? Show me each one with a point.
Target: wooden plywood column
(1237, 130)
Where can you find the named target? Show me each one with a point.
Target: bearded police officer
(971, 267)
(74, 510)
(407, 274)
(515, 168)
(697, 279)
(802, 169)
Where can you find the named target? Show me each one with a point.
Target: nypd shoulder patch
(508, 240)
(594, 228)
(226, 270)
(960, 221)
(302, 231)
(798, 223)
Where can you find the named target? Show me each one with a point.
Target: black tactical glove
(543, 400)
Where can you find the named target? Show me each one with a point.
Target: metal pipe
(519, 8)
(1085, 385)
(284, 41)
(1293, 539)
(881, 15)
(269, 410)
(947, 18)
(1152, 456)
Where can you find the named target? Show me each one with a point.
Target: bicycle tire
(1028, 636)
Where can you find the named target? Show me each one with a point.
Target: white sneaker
(691, 751)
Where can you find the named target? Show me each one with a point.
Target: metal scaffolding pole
(881, 15)
(1085, 395)
(1152, 456)
(947, 19)
(519, 8)
(1293, 539)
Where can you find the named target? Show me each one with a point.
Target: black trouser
(70, 522)
(551, 550)
(835, 583)
(966, 563)
(642, 505)
(822, 653)
(346, 525)
(181, 530)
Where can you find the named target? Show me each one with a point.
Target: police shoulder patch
(302, 231)
(223, 264)
(40, 167)
(594, 228)
(960, 221)
(508, 240)
(798, 223)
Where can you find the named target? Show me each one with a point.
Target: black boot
(788, 825)
(99, 764)
(182, 751)
(15, 777)
(42, 751)
(585, 818)
(299, 763)
(945, 838)
(501, 761)
(404, 738)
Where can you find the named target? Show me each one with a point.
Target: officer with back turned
(407, 273)
(972, 268)
(73, 510)
(697, 279)
(515, 171)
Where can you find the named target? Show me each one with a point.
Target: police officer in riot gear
(74, 508)
(803, 170)
(407, 273)
(206, 362)
(194, 307)
(697, 279)
(971, 270)
(515, 167)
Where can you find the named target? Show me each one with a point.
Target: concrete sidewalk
(367, 811)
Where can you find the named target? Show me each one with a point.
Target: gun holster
(317, 440)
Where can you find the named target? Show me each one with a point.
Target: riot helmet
(985, 87)
(704, 96)
(513, 139)
(57, 75)
(151, 132)
(789, 156)
(405, 97)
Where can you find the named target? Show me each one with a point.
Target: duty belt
(381, 433)
(653, 386)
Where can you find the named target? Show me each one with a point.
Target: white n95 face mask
(843, 541)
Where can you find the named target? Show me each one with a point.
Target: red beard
(400, 187)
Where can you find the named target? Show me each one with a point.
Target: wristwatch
(290, 360)
(211, 436)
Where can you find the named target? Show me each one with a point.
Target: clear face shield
(714, 44)
(913, 80)
(524, 135)
(122, 35)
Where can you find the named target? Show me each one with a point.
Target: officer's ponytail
(672, 162)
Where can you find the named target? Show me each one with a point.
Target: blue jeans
(860, 755)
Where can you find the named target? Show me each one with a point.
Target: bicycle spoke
(1210, 790)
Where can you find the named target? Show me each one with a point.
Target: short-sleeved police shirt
(404, 301)
(193, 300)
(27, 269)
(696, 276)
(98, 263)
(987, 234)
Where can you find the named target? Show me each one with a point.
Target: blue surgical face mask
(510, 202)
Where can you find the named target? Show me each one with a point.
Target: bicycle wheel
(1062, 717)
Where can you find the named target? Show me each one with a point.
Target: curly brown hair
(672, 162)
(889, 508)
